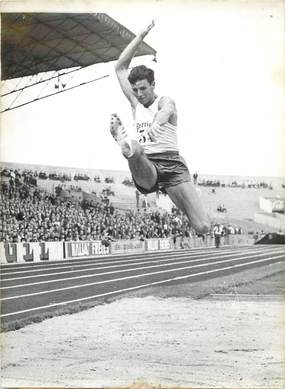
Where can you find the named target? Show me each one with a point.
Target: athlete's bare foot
(120, 135)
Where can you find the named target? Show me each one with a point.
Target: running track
(33, 289)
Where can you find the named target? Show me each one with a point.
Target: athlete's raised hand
(147, 29)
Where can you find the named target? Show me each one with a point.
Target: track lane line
(128, 261)
(84, 261)
(118, 265)
(150, 256)
(111, 257)
(136, 287)
(41, 266)
(123, 278)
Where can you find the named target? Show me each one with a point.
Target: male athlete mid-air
(153, 157)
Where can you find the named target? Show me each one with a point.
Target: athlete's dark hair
(139, 73)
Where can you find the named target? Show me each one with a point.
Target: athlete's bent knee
(137, 150)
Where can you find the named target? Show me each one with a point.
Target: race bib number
(143, 137)
(142, 133)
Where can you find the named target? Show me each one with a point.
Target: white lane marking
(137, 269)
(118, 264)
(115, 257)
(149, 257)
(115, 261)
(123, 278)
(95, 257)
(109, 258)
(42, 266)
(84, 263)
(137, 287)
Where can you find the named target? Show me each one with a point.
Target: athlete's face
(144, 92)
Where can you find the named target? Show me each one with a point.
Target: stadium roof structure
(41, 42)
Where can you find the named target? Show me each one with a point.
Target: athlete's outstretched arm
(124, 61)
(166, 108)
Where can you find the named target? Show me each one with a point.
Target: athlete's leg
(185, 197)
(141, 167)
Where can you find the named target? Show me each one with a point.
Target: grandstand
(91, 209)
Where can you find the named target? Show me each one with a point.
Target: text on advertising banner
(31, 252)
(85, 249)
(128, 246)
(164, 244)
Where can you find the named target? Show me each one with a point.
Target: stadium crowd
(30, 214)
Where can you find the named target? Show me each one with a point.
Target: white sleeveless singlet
(167, 141)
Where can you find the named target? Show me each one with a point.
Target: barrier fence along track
(28, 252)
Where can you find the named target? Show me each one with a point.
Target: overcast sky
(223, 63)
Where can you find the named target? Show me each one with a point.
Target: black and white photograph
(142, 235)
